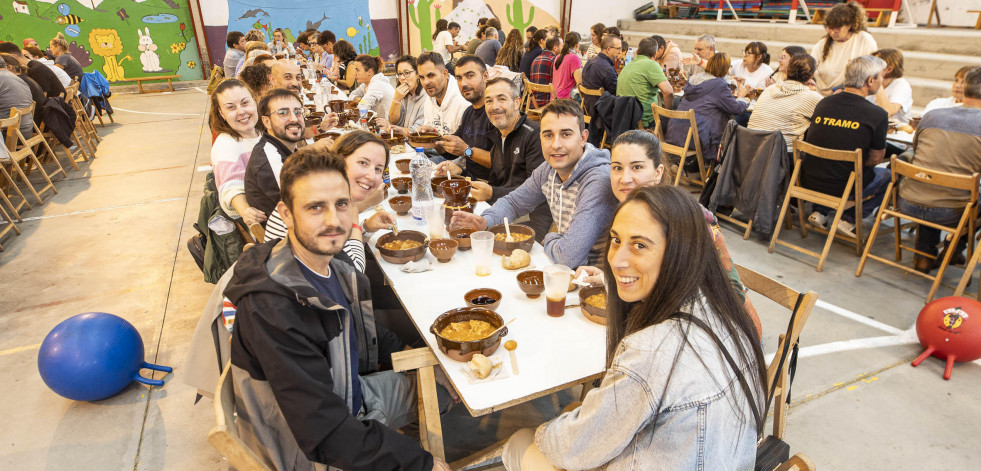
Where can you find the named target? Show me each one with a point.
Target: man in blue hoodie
(575, 184)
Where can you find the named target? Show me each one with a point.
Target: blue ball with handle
(93, 356)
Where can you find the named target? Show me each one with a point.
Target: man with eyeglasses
(282, 114)
(704, 50)
(599, 71)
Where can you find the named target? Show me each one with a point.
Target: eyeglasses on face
(405, 74)
(285, 112)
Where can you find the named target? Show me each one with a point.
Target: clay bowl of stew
(392, 141)
(400, 204)
(486, 298)
(591, 311)
(505, 248)
(402, 256)
(443, 249)
(402, 184)
(465, 350)
(337, 106)
(462, 236)
(424, 140)
(403, 165)
(532, 282)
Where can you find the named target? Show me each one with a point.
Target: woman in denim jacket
(670, 399)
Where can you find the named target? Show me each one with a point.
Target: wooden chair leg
(832, 230)
(13, 209)
(868, 246)
(20, 171)
(430, 426)
(13, 185)
(776, 229)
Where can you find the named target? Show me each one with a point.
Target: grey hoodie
(582, 207)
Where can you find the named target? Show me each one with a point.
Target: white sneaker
(818, 219)
(846, 228)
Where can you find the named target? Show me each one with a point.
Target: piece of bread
(518, 259)
(481, 366)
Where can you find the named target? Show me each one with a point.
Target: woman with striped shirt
(366, 157)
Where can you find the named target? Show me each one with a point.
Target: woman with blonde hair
(511, 52)
(64, 60)
(847, 39)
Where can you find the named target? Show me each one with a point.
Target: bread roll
(481, 366)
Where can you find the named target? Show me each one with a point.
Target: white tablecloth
(552, 352)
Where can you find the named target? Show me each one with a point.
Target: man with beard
(286, 74)
(445, 107)
(469, 146)
(281, 112)
(305, 354)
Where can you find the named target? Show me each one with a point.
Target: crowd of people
(308, 354)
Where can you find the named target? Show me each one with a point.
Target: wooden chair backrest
(224, 437)
(801, 146)
(659, 131)
(597, 92)
(529, 102)
(8, 130)
(788, 298)
(935, 177)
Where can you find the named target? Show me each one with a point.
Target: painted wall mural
(119, 38)
(513, 14)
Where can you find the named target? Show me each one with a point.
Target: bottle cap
(420, 150)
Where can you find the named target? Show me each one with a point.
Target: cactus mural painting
(425, 19)
(515, 15)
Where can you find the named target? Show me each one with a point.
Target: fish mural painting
(122, 39)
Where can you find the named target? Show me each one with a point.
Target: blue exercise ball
(93, 356)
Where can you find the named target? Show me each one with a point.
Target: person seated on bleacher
(685, 377)
(15, 93)
(306, 350)
(575, 184)
(847, 121)
(542, 68)
(599, 71)
(957, 92)
(235, 119)
(754, 67)
(948, 140)
(710, 96)
(697, 62)
(847, 39)
(644, 79)
(896, 95)
(667, 54)
(407, 111)
(782, 62)
(788, 105)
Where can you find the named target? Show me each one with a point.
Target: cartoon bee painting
(69, 20)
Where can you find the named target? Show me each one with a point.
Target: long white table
(552, 353)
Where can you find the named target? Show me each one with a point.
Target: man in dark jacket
(469, 144)
(306, 348)
(599, 72)
(36, 70)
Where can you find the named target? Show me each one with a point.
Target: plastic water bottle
(421, 169)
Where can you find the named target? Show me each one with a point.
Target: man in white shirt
(446, 105)
(444, 44)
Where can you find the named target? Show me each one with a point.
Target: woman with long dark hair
(566, 64)
(782, 62)
(511, 52)
(847, 39)
(685, 380)
(235, 119)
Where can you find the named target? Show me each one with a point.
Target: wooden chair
(37, 143)
(19, 158)
(890, 208)
(224, 437)
(583, 92)
(837, 203)
(423, 361)
(10, 225)
(972, 263)
(529, 104)
(798, 462)
(83, 125)
(692, 147)
(800, 305)
(7, 184)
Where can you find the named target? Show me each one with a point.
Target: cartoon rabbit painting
(149, 58)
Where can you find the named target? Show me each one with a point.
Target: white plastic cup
(557, 279)
(482, 244)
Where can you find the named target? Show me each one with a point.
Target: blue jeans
(876, 188)
(928, 237)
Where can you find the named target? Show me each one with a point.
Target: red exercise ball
(950, 329)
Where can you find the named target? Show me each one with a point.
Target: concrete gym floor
(113, 240)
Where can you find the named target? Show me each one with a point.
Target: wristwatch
(468, 152)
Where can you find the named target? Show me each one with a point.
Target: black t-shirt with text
(844, 121)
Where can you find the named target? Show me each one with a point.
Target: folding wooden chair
(224, 437)
(7, 183)
(76, 137)
(692, 147)
(83, 126)
(890, 208)
(9, 225)
(837, 203)
(37, 143)
(583, 93)
(19, 158)
(529, 104)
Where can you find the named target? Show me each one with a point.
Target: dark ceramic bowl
(399, 257)
(424, 140)
(402, 184)
(332, 135)
(464, 351)
(435, 182)
(505, 248)
(401, 204)
(532, 282)
(337, 106)
(462, 236)
(443, 249)
(448, 212)
(393, 141)
(403, 165)
(593, 313)
(490, 293)
(455, 191)
(310, 96)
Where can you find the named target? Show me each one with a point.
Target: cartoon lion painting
(106, 43)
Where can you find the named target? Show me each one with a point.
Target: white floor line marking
(204, 168)
(151, 112)
(858, 317)
(38, 218)
(199, 89)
